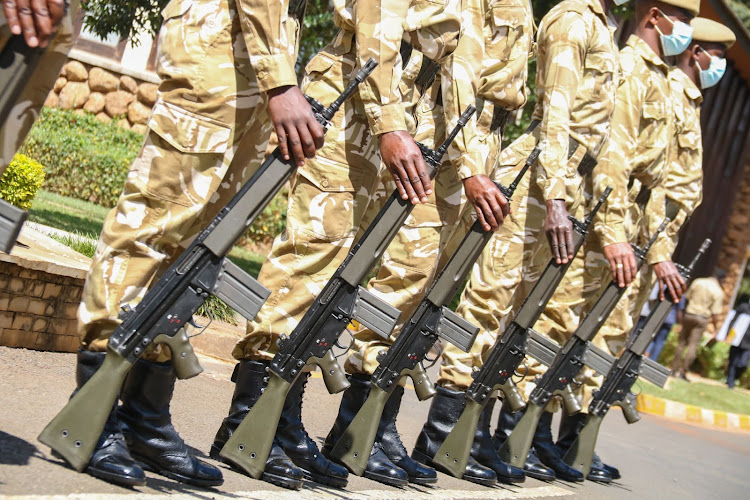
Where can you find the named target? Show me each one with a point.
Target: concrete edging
(653, 405)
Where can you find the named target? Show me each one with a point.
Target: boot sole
(276, 480)
(540, 477)
(114, 478)
(325, 480)
(424, 459)
(205, 483)
(386, 479)
(510, 479)
(598, 480)
(423, 481)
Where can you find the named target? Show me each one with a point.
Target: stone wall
(107, 95)
(734, 252)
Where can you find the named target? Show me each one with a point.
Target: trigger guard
(521, 375)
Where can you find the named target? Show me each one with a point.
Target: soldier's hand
(38, 20)
(621, 262)
(404, 161)
(559, 231)
(669, 276)
(488, 201)
(299, 133)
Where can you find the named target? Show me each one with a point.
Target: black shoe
(379, 466)
(393, 447)
(570, 429)
(505, 425)
(147, 426)
(250, 378)
(111, 460)
(445, 409)
(612, 470)
(548, 453)
(298, 445)
(484, 452)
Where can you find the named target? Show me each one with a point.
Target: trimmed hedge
(84, 158)
(21, 181)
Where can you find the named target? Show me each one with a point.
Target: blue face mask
(711, 76)
(678, 41)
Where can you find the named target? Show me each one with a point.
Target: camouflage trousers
(429, 236)
(207, 135)
(30, 102)
(329, 199)
(510, 263)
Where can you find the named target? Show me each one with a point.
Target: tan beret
(692, 6)
(706, 30)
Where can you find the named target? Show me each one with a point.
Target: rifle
(404, 358)
(17, 62)
(340, 301)
(161, 316)
(505, 356)
(620, 379)
(566, 366)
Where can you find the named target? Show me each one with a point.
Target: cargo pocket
(653, 131)
(598, 80)
(324, 200)
(507, 24)
(189, 132)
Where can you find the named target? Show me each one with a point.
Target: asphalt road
(658, 458)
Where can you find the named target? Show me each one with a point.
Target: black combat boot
(570, 428)
(483, 450)
(111, 460)
(298, 445)
(445, 409)
(148, 429)
(548, 454)
(505, 425)
(394, 448)
(250, 378)
(379, 467)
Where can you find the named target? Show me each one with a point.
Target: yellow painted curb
(693, 414)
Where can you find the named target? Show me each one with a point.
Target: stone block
(28, 274)
(18, 338)
(129, 84)
(39, 324)
(74, 95)
(95, 103)
(22, 321)
(103, 117)
(147, 93)
(123, 123)
(37, 306)
(18, 304)
(70, 310)
(52, 100)
(103, 81)
(138, 113)
(62, 326)
(16, 285)
(51, 290)
(139, 128)
(35, 288)
(6, 319)
(60, 83)
(74, 71)
(116, 103)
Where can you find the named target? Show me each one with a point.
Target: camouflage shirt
(642, 129)
(684, 182)
(576, 82)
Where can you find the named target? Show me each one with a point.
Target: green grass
(68, 214)
(84, 220)
(713, 397)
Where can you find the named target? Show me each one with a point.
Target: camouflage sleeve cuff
(553, 188)
(274, 71)
(387, 118)
(661, 250)
(470, 165)
(611, 234)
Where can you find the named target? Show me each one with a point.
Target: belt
(587, 163)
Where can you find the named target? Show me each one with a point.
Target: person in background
(704, 300)
(674, 317)
(734, 332)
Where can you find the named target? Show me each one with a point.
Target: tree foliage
(125, 17)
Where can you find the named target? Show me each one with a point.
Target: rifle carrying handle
(422, 385)
(333, 376)
(628, 405)
(184, 360)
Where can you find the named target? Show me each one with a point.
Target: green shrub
(84, 158)
(21, 181)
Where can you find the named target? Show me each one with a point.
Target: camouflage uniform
(576, 81)
(332, 198)
(207, 135)
(635, 162)
(433, 230)
(24, 113)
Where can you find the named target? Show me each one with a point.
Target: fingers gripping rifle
(340, 301)
(161, 316)
(505, 356)
(622, 374)
(17, 63)
(566, 366)
(432, 319)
